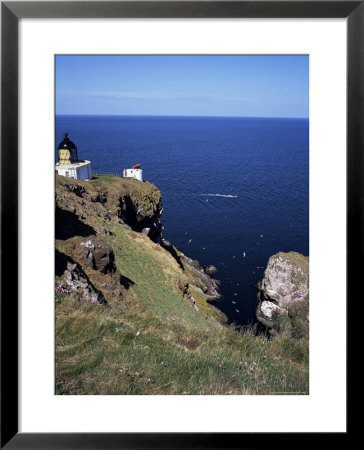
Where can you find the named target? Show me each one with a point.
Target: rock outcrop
(137, 204)
(100, 223)
(98, 256)
(197, 286)
(72, 280)
(200, 277)
(142, 214)
(283, 295)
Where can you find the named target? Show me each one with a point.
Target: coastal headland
(134, 315)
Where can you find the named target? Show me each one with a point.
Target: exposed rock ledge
(93, 222)
(116, 199)
(283, 295)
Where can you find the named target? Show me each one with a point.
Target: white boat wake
(219, 195)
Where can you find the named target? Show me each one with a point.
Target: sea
(235, 190)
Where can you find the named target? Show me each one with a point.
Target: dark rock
(69, 225)
(98, 255)
(141, 214)
(208, 285)
(210, 270)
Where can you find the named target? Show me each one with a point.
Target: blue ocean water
(264, 162)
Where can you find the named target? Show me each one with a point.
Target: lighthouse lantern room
(68, 163)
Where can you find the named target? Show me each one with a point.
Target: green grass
(155, 342)
(155, 274)
(95, 344)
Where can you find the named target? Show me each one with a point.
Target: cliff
(283, 295)
(134, 315)
(80, 205)
(110, 223)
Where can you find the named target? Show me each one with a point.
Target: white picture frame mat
(324, 409)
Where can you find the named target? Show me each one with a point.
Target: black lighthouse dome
(67, 151)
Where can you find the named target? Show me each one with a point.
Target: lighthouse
(68, 163)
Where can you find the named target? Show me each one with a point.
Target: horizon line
(181, 115)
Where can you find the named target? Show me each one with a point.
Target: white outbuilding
(135, 172)
(68, 163)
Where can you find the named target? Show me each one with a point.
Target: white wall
(70, 173)
(133, 173)
(80, 173)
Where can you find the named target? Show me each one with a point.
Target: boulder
(283, 295)
(98, 255)
(70, 278)
(210, 270)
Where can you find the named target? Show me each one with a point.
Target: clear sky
(221, 85)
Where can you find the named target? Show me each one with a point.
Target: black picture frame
(11, 12)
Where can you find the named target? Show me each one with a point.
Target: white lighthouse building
(68, 163)
(135, 172)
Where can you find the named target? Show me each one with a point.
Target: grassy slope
(160, 344)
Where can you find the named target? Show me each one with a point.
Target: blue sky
(252, 86)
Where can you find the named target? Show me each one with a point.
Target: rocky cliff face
(283, 295)
(72, 281)
(137, 204)
(133, 316)
(98, 218)
(201, 276)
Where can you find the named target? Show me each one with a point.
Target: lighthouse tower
(68, 163)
